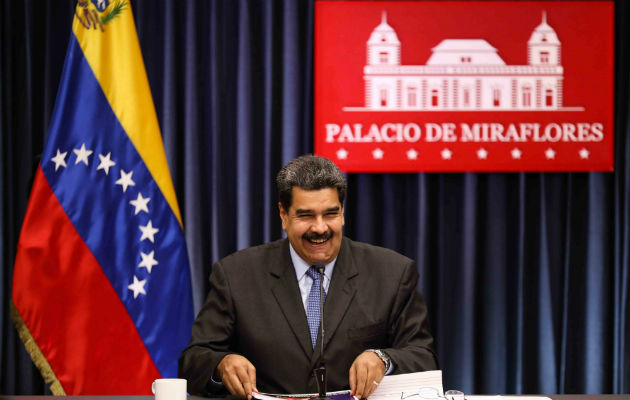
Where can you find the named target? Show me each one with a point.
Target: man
(253, 332)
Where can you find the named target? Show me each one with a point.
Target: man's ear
(284, 216)
(343, 216)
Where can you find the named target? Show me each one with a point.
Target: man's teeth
(318, 241)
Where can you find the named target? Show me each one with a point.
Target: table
(552, 396)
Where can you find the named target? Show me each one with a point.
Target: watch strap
(383, 356)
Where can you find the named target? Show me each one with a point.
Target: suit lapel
(339, 296)
(287, 294)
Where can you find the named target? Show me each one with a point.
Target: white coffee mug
(169, 389)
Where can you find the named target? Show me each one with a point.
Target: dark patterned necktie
(313, 312)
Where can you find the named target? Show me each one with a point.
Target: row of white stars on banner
(447, 154)
(140, 204)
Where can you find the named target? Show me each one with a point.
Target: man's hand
(366, 372)
(238, 375)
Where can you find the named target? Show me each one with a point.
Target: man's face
(313, 224)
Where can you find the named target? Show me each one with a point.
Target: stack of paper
(416, 386)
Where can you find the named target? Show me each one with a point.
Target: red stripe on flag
(71, 308)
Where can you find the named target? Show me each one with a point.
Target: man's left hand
(366, 372)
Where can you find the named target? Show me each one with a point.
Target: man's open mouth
(317, 239)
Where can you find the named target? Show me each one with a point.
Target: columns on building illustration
(454, 80)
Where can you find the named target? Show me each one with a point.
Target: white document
(339, 395)
(415, 386)
(500, 397)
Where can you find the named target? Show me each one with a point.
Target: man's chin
(314, 258)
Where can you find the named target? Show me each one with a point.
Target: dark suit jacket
(254, 309)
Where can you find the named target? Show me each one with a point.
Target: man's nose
(319, 225)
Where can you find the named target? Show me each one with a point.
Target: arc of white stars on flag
(140, 204)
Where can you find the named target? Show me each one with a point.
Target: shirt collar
(302, 266)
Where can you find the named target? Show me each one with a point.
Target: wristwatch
(383, 356)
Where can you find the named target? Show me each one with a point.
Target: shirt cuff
(391, 367)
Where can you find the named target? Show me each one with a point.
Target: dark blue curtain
(526, 275)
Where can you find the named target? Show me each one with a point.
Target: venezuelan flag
(101, 289)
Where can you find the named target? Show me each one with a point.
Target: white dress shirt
(304, 281)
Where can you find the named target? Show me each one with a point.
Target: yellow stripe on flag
(124, 82)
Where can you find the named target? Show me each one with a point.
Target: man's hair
(309, 172)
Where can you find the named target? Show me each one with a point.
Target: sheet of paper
(415, 386)
(424, 385)
(501, 397)
(339, 395)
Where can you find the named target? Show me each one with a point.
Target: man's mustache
(317, 236)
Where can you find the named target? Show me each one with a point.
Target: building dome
(543, 33)
(383, 33)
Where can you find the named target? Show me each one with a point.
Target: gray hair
(309, 172)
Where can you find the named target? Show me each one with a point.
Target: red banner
(464, 86)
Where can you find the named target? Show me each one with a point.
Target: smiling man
(313, 220)
(260, 326)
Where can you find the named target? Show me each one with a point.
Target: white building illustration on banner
(463, 75)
